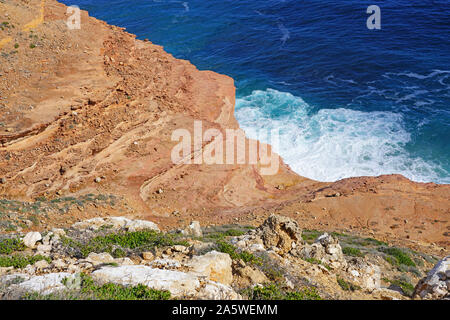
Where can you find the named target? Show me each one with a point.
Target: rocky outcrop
(216, 266)
(436, 285)
(279, 232)
(326, 249)
(364, 274)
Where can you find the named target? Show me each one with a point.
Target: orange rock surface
(77, 105)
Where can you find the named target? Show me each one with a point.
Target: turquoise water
(347, 100)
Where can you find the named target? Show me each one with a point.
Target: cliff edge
(92, 111)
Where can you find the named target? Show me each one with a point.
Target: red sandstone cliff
(97, 103)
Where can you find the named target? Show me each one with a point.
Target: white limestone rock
(179, 284)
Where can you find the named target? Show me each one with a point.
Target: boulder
(59, 232)
(364, 274)
(165, 264)
(386, 294)
(436, 285)
(46, 284)
(214, 265)
(217, 291)
(99, 258)
(124, 261)
(42, 264)
(194, 229)
(280, 232)
(250, 275)
(201, 248)
(91, 224)
(148, 255)
(116, 222)
(31, 238)
(180, 284)
(138, 225)
(44, 249)
(327, 250)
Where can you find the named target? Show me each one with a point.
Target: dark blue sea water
(349, 101)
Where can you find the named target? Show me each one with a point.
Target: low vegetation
(235, 254)
(397, 257)
(346, 285)
(405, 285)
(275, 292)
(16, 215)
(354, 252)
(214, 234)
(121, 243)
(8, 246)
(21, 261)
(90, 291)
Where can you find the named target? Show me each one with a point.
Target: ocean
(347, 100)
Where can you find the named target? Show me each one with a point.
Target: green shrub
(354, 252)
(310, 235)
(247, 257)
(400, 257)
(21, 261)
(274, 292)
(112, 291)
(313, 261)
(115, 243)
(347, 286)
(8, 246)
(407, 288)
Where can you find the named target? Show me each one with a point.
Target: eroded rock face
(179, 284)
(214, 265)
(280, 232)
(436, 285)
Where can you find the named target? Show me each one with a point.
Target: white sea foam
(332, 144)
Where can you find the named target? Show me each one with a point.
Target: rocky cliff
(86, 118)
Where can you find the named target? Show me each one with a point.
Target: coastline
(111, 90)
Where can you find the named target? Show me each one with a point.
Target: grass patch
(215, 234)
(407, 288)
(274, 292)
(397, 256)
(117, 243)
(310, 235)
(354, 252)
(347, 286)
(246, 256)
(21, 261)
(8, 246)
(312, 260)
